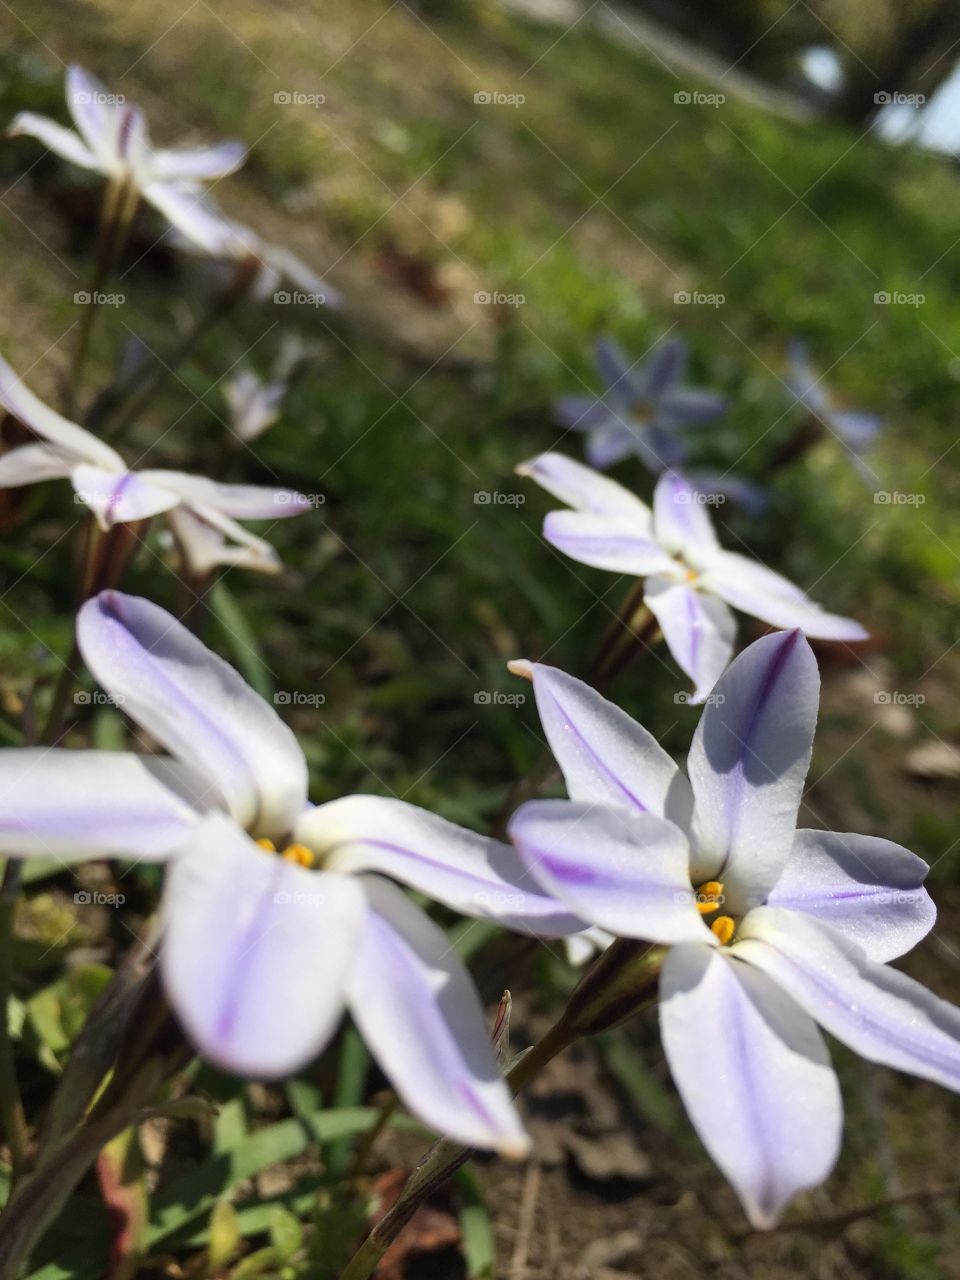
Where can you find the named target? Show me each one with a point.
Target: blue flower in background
(644, 409)
(855, 429)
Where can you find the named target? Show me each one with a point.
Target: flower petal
(877, 1011)
(689, 406)
(625, 871)
(91, 804)
(29, 463)
(610, 443)
(584, 489)
(681, 522)
(856, 428)
(468, 872)
(621, 544)
(755, 1078)
(63, 141)
(198, 706)
(747, 766)
(605, 755)
(616, 370)
(663, 368)
(182, 206)
(19, 401)
(119, 498)
(94, 113)
(754, 589)
(238, 501)
(869, 889)
(192, 163)
(417, 1009)
(699, 630)
(582, 413)
(203, 543)
(256, 951)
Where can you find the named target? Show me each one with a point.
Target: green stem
(163, 369)
(12, 1114)
(120, 200)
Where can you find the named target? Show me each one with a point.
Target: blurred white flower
(202, 513)
(111, 138)
(254, 404)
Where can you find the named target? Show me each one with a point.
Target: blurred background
(492, 186)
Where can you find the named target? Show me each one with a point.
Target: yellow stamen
(298, 853)
(267, 845)
(692, 575)
(724, 927)
(709, 897)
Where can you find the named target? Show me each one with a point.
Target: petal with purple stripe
(584, 489)
(256, 951)
(198, 706)
(747, 766)
(699, 630)
(417, 1009)
(873, 1009)
(618, 543)
(681, 521)
(625, 871)
(605, 755)
(468, 872)
(754, 1076)
(74, 805)
(869, 889)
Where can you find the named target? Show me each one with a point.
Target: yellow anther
(724, 927)
(298, 853)
(692, 575)
(709, 897)
(267, 846)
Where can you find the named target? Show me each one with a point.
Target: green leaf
(478, 1247)
(240, 639)
(286, 1232)
(224, 1235)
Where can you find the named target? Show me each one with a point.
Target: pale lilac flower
(278, 275)
(202, 513)
(691, 581)
(644, 410)
(111, 138)
(771, 930)
(854, 428)
(261, 951)
(254, 404)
